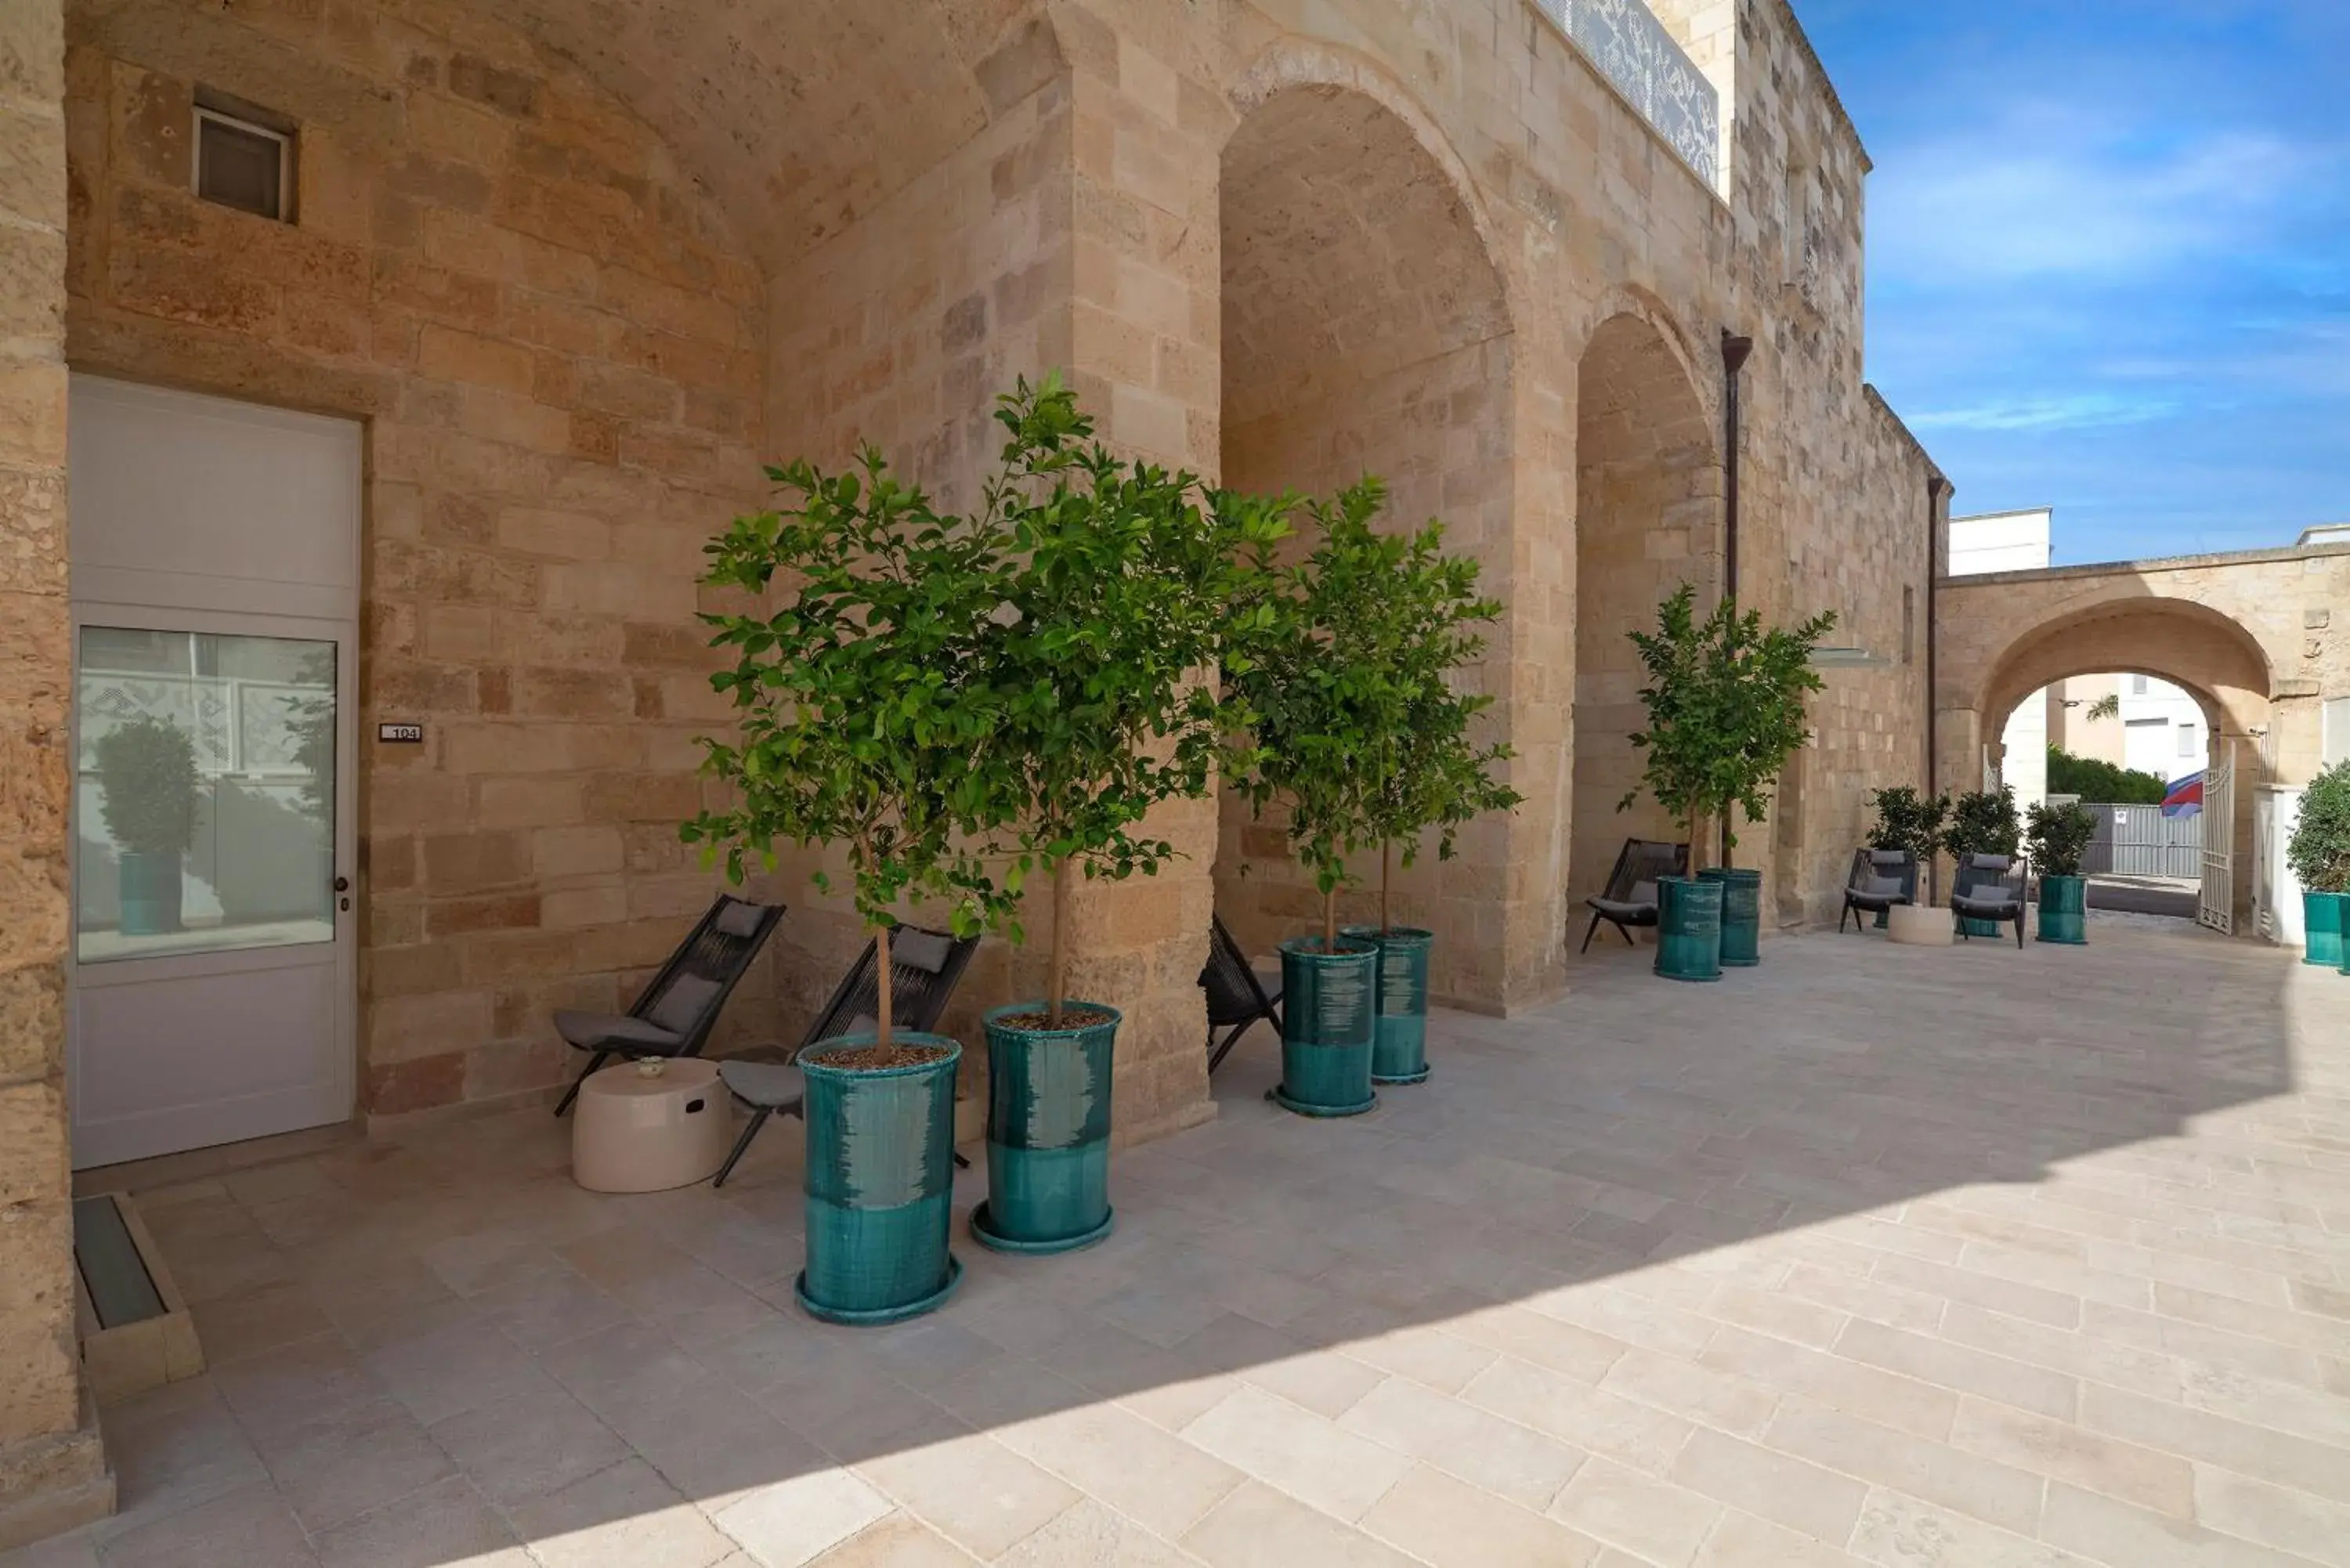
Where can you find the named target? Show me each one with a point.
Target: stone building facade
(2254, 637)
(578, 268)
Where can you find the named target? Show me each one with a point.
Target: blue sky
(2109, 256)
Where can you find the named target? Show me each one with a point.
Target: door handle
(342, 884)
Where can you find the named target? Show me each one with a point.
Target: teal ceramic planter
(1048, 1117)
(1742, 915)
(1399, 1038)
(2323, 919)
(1689, 927)
(881, 1180)
(2065, 909)
(1328, 1028)
(150, 887)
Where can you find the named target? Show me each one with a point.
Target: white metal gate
(2218, 909)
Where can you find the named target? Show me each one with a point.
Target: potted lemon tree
(147, 796)
(1982, 822)
(2059, 837)
(1324, 689)
(1725, 711)
(863, 713)
(1117, 605)
(2319, 854)
(1430, 773)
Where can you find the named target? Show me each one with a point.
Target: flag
(2185, 796)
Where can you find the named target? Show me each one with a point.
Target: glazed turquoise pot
(1742, 915)
(2324, 917)
(1399, 1038)
(1049, 1113)
(880, 1183)
(1689, 927)
(2065, 909)
(150, 887)
(1328, 1027)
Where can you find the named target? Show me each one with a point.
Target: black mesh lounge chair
(924, 968)
(1630, 898)
(1237, 995)
(1990, 887)
(674, 1013)
(1874, 886)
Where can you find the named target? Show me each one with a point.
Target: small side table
(646, 1127)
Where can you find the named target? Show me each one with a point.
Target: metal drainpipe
(1735, 350)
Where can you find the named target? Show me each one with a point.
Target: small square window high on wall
(244, 156)
(2187, 741)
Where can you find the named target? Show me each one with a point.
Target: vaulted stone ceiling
(1346, 254)
(804, 115)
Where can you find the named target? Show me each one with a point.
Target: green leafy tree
(2095, 779)
(1907, 821)
(147, 786)
(1330, 682)
(864, 703)
(2060, 837)
(2319, 849)
(1725, 709)
(1119, 602)
(1431, 772)
(1983, 822)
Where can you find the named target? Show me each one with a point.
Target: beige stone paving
(1975, 1259)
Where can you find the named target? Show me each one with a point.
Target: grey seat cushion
(1892, 857)
(924, 951)
(738, 920)
(767, 1085)
(614, 1032)
(1987, 902)
(679, 1006)
(1858, 899)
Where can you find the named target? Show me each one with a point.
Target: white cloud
(2044, 193)
(2079, 410)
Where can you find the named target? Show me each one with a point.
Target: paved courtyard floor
(1976, 1258)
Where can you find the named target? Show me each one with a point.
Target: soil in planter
(1316, 945)
(1071, 1018)
(875, 1058)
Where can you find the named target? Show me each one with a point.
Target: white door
(211, 973)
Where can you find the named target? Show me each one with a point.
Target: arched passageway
(2202, 650)
(1365, 331)
(1648, 518)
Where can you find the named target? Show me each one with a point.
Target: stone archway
(1366, 330)
(2207, 653)
(1648, 488)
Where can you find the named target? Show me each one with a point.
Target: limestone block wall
(52, 1473)
(557, 347)
(1059, 236)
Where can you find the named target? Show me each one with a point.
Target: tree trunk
(1387, 874)
(1058, 982)
(881, 976)
(1330, 921)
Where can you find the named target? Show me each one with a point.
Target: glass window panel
(203, 792)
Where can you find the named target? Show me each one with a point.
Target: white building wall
(2013, 542)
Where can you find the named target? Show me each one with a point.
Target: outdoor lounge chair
(1630, 898)
(674, 1013)
(1874, 886)
(1237, 995)
(924, 968)
(1990, 887)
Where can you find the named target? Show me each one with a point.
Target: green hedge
(2101, 782)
